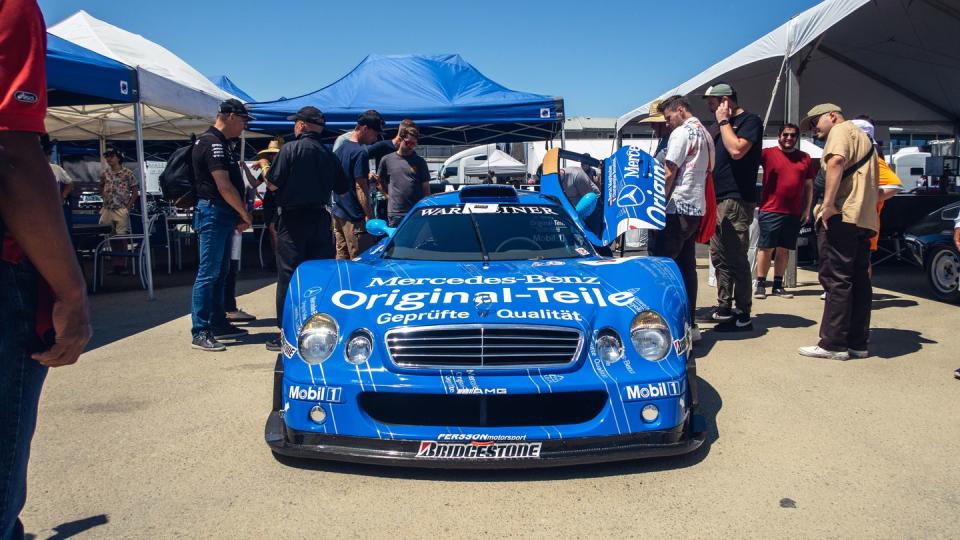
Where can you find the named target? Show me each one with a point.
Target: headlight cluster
(649, 335)
(319, 336)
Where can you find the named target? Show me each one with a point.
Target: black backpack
(177, 180)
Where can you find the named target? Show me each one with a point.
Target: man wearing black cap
(739, 143)
(352, 209)
(305, 173)
(220, 211)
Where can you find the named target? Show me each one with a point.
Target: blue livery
(485, 331)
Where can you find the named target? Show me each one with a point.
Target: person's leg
(226, 225)
(837, 259)
(351, 239)
(718, 256)
(230, 287)
(340, 235)
(21, 379)
(293, 236)
(763, 264)
(780, 264)
(862, 294)
(211, 246)
(741, 216)
(687, 259)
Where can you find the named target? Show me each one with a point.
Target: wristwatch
(723, 123)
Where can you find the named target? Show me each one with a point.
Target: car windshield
(501, 232)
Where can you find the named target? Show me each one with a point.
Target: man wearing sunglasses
(785, 203)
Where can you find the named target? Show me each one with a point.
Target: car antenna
(476, 230)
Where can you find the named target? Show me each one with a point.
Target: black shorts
(778, 230)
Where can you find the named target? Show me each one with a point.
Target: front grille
(555, 409)
(477, 346)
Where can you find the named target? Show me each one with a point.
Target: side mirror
(586, 205)
(378, 227)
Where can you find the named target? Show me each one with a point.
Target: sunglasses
(788, 135)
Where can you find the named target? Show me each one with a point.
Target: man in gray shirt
(576, 183)
(403, 176)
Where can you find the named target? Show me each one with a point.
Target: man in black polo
(739, 143)
(305, 173)
(220, 211)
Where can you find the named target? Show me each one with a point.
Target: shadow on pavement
(73, 528)
(710, 405)
(119, 315)
(895, 342)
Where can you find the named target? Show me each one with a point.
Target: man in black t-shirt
(404, 177)
(220, 211)
(739, 143)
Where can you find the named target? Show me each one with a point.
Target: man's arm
(669, 177)
(808, 200)
(736, 146)
(383, 176)
(248, 174)
(230, 195)
(832, 177)
(31, 212)
(426, 188)
(360, 184)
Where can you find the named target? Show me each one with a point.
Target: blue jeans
(21, 379)
(214, 223)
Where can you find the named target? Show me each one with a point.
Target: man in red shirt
(43, 303)
(785, 203)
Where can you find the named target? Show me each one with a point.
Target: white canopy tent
(894, 60)
(175, 100)
(499, 163)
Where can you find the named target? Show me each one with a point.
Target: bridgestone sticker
(479, 450)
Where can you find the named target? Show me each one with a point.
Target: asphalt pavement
(147, 438)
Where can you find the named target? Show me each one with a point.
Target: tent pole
(148, 271)
(791, 111)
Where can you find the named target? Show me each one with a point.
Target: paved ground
(147, 438)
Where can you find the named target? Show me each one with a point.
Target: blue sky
(604, 58)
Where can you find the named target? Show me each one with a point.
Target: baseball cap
(718, 90)
(234, 106)
(372, 120)
(816, 111)
(309, 114)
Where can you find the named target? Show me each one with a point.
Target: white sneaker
(858, 354)
(824, 295)
(816, 351)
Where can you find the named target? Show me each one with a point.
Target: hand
(373, 176)
(256, 166)
(71, 324)
(723, 111)
(360, 226)
(828, 212)
(956, 237)
(245, 222)
(805, 218)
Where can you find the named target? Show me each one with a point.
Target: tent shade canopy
(177, 100)
(451, 102)
(224, 83)
(893, 60)
(498, 162)
(76, 75)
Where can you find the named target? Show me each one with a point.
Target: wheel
(943, 272)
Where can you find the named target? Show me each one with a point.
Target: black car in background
(930, 242)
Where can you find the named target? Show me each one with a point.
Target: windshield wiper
(476, 230)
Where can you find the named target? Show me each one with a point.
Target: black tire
(943, 270)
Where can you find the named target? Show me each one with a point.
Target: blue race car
(485, 331)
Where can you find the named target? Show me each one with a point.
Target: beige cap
(654, 116)
(816, 111)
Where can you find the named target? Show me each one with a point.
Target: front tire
(943, 272)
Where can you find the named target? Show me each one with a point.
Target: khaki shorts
(118, 219)
(350, 244)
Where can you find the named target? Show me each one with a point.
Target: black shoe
(779, 291)
(273, 344)
(206, 342)
(229, 331)
(722, 314)
(740, 323)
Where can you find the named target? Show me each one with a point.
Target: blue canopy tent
(449, 99)
(224, 83)
(79, 76)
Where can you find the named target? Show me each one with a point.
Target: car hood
(584, 293)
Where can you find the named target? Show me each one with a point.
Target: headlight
(609, 346)
(359, 347)
(650, 335)
(318, 338)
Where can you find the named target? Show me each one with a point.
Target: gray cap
(718, 90)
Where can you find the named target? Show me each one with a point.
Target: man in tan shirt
(845, 220)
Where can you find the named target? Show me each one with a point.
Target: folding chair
(134, 243)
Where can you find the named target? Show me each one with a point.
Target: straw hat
(653, 115)
(273, 147)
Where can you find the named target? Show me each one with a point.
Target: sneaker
(854, 353)
(740, 323)
(273, 344)
(206, 342)
(229, 331)
(695, 334)
(240, 316)
(722, 314)
(824, 295)
(781, 292)
(760, 292)
(816, 351)
(956, 373)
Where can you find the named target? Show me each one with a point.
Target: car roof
(489, 194)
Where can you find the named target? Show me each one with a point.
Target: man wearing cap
(220, 211)
(305, 174)
(845, 221)
(265, 159)
(352, 209)
(739, 141)
(118, 187)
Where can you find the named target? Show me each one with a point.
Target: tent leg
(792, 112)
(148, 271)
